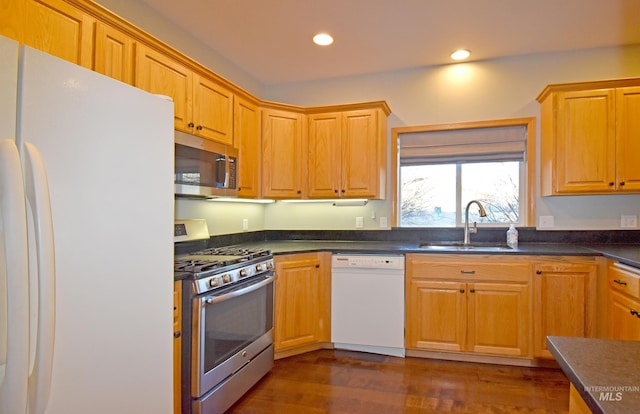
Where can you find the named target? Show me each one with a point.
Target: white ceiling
(271, 39)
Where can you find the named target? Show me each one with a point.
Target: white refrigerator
(86, 284)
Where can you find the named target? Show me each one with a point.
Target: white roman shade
(504, 143)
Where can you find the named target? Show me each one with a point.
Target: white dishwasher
(367, 303)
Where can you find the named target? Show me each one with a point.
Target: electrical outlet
(546, 222)
(383, 223)
(359, 222)
(245, 224)
(628, 222)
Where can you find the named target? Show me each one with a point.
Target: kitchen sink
(483, 246)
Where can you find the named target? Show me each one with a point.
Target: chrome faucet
(467, 230)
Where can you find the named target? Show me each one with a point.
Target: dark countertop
(605, 372)
(625, 253)
(363, 247)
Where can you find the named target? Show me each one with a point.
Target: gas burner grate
(196, 266)
(248, 253)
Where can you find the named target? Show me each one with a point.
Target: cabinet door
(324, 155)
(159, 74)
(363, 154)
(59, 29)
(212, 110)
(498, 318)
(247, 139)
(298, 301)
(282, 154)
(113, 55)
(177, 345)
(562, 302)
(624, 319)
(628, 142)
(436, 315)
(585, 146)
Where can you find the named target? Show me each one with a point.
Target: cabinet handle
(199, 127)
(461, 290)
(472, 291)
(622, 184)
(190, 125)
(177, 334)
(468, 272)
(299, 192)
(344, 191)
(611, 184)
(317, 266)
(335, 191)
(620, 282)
(538, 272)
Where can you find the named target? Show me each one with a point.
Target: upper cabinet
(283, 154)
(201, 106)
(157, 73)
(589, 138)
(347, 154)
(53, 26)
(246, 127)
(113, 54)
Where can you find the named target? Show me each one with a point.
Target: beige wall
(493, 89)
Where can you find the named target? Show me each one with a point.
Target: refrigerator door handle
(37, 196)
(14, 277)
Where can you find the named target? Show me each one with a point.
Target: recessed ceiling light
(460, 54)
(322, 39)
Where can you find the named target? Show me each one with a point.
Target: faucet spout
(467, 230)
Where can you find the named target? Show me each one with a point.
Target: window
(442, 168)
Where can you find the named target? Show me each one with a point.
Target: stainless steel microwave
(204, 168)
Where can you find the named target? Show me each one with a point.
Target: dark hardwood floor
(330, 381)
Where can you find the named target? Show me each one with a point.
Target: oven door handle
(234, 293)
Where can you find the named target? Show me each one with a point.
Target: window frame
(529, 162)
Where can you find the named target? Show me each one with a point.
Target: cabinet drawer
(467, 269)
(624, 279)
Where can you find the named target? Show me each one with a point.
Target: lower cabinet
(623, 307)
(177, 345)
(564, 300)
(302, 301)
(468, 303)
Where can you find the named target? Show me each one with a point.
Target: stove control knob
(243, 272)
(269, 265)
(213, 282)
(226, 278)
(259, 267)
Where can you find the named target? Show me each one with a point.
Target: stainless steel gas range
(227, 309)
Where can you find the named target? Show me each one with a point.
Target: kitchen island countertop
(604, 372)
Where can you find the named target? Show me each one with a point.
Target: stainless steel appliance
(227, 324)
(204, 168)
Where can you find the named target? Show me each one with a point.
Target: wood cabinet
(623, 309)
(564, 300)
(212, 110)
(157, 73)
(589, 139)
(347, 153)
(247, 139)
(114, 53)
(177, 345)
(468, 303)
(302, 300)
(283, 154)
(57, 28)
(201, 106)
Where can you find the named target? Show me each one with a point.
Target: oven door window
(231, 325)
